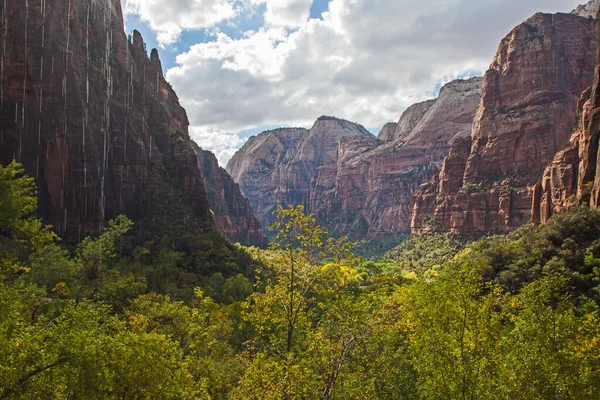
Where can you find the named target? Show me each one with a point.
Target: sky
(243, 66)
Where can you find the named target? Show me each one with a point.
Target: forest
(503, 317)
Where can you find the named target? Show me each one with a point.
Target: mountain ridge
(353, 187)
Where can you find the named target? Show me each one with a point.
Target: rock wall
(372, 190)
(352, 182)
(231, 210)
(526, 115)
(573, 175)
(408, 121)
(92, 118)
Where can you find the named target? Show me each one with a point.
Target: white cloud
(223, 144)
(288, 13)
(171, 19)
(366, 61)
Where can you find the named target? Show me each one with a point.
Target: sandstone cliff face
(409, 119)
(277, 167)
(374, 184)
(352, 182)
(387, 132)
(526, 114)
(573, 176)
(92, 118)
(231, 210)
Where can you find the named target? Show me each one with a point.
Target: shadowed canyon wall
(92, 118)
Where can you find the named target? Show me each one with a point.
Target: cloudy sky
(243, 66)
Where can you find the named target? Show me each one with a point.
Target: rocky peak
(139, 46)
(454, 99)
(261, 153)
(449, 117)
(589, 10)
(410, 118)
(155, 60)
(342, 127)
(278, 166)
(387, 132)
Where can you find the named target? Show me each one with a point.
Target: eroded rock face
(409, 119)
(352, 182)
(375, 182)
(526, 114)
(387, 132)
(573, 176)
(92, 118)
(277, 167)
(231, 210)
(560, 186)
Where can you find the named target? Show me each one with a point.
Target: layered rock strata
(351, 181)
(278, 166)
(372, 189)
(526, 115)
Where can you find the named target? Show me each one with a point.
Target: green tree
(301, 241)
(21, 233)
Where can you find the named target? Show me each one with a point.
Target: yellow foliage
(61, 289)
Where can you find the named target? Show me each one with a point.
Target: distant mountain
(369, 191)
(277, 167)
(352, 182)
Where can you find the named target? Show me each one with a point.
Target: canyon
(467, 162)
(90, 115)
(356, 184)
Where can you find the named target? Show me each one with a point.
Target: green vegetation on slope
(513, 317)
(419, 253)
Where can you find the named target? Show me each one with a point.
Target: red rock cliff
(573, 175)
(526, 114)
(92, 118)
(369, 191)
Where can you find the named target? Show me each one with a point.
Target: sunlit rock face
(92, 118)
(374, 183)
(526, 115)
(588, 10)
(277, 167)
(355, 184)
